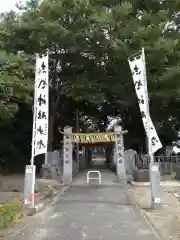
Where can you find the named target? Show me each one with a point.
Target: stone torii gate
(70, 138)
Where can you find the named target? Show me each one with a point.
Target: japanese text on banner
(137, 70)
(41, 106)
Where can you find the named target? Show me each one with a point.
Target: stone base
(45, 172)
(51, 172)
(166, 168)
(122, 177)
(141, 175)
(176, 169)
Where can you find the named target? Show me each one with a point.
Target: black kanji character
(40, 130)
(143, 114)
(118, 136)
(138, 84)
(41, 100)
(41, 115)
(41, 71)
(43, 66)
(141, 100)
(119, 141)
(154, 141)
(42, 84)
(40, 144)
(136, 70)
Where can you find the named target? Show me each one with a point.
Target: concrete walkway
(90, 212)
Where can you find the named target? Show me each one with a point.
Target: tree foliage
(89, 42)
(16, 90)
(15, 82)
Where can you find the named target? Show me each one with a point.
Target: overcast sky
(7, 5)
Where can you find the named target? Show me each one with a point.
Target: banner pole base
(29, 186)
(154, 175)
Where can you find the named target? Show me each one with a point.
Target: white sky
(7, 5)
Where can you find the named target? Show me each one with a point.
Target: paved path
(90, 213)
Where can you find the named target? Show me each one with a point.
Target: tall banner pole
(149, 145)
(40, 124)
(34, 115)
(152, 174)
(138, 69)
(30, 174)
(77, 144)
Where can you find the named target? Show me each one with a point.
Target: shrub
(9, 212)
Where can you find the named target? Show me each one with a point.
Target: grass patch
(9, 213)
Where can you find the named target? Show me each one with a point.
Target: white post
(33, 141)
(154, 173)
(77, 144)
(33, 167)
(147, 110)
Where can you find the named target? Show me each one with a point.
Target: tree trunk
(52, 118)
(51, 132)
(49, 155)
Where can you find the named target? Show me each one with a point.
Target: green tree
(15, 82)
(89, 43)
(16, 89)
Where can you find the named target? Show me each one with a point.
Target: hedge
(9, 212)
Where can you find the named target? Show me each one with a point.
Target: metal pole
(77, 144)
(154, 174)
(148, 130)
(33, 139)
(34, 119)
(147, 109)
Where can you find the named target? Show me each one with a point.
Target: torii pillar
(119, 147)
(67, 160)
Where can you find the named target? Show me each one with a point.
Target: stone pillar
(114, 157)
(48, 158)
(67, 169)
(51, 168)
(83, 158)
(46, 170)
(119, 146)
(55, 167)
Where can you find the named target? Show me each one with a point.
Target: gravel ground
(166, 219)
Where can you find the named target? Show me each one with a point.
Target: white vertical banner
(41, 106)
(137, 66)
